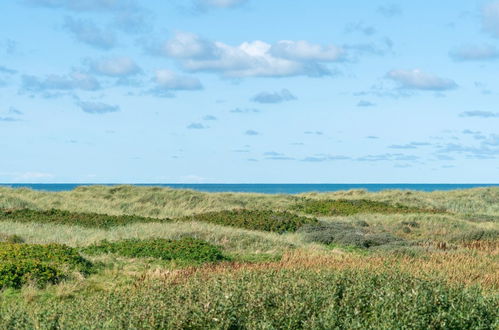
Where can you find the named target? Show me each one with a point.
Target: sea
(266, 188)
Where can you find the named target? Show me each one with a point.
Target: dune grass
(159, 202)
(384, 262)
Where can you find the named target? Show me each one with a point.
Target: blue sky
(249, 91)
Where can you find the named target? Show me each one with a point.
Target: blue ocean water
(265, 188)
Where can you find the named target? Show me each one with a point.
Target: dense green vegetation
(149, 257)
(267, 299)
(187, 249)
(265, 220)
(40, 264)
(92, 220)
(351, 207)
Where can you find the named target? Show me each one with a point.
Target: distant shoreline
(267, 188)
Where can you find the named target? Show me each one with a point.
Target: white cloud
(304, 50)
(115, 67)
(417, 79)
(169, 80)
(490, 18)
(189, 45)
(475, 53)
(251, 59)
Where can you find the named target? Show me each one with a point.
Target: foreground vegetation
(130, 257)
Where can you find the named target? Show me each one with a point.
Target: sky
(249, 91)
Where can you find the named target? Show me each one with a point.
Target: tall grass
(265, 299)
(161, 202)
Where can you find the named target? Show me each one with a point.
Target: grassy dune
(351, 259)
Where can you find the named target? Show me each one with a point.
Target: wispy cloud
(387, 157)
(196, 126)
(390, 10)
(490, 18)
(475, 53)
(75, 80)
(9, 119)
(481, 114)
(244, 110)
(87, 32)
(361, 27)
(313, 133)
(120, 66)
(364, 103)
(419, 80)
(273, 97)
(251, 132)
(167, 81)
(98, 107)
(6, 70)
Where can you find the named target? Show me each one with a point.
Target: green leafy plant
(39, 264)
(188, 249)
(91, 220)
(333, 207)
(264, 220)
(15, 274)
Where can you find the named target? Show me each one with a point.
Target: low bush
(346, 234)
(92, 220)
(332, 207)
(38, 264)
(264, 220)
(188, 249)
(59, 255)
(15, 274)
(11, 238)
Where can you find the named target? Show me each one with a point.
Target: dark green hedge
(265, 220)
(333, 207)
(188, 249)
(92, 220)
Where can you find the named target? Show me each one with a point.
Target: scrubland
(150, 257)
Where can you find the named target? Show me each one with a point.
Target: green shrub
(38, 264)
(92, 220)
(343, 233)
(188, 249)
(16, 273)
(265, 220)
(11, 238)
(58, 255)
(331, 207)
